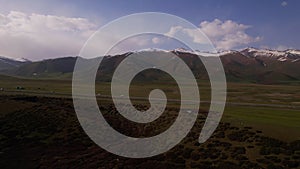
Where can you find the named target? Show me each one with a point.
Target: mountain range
(249, 64)
(7, 63)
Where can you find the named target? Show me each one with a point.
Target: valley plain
(39, 128)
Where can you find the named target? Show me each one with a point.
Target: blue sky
(269, 24)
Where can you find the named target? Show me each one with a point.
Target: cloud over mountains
(223, 34)
(36, 36)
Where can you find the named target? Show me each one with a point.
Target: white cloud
(197, 38)
(224, 35)
(157, 40)
(173, 30)
(284, 3)
(194, 33)
(37, 36)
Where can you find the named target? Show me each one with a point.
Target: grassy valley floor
(39, 128)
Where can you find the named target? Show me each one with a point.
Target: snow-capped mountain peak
(290, 54)
(263, 52)
(293, 51)
(151, 50)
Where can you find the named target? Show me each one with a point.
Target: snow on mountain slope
(295, 52)
(282, 56)
(14, 59)
(263, 52)
(282, 59)
(287, 55)
(7, 63)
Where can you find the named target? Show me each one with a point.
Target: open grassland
(236, 92)
(271, 108)
(39, 128)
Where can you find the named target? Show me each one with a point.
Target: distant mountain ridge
(249, 64)
(7, 63)
(46, 68)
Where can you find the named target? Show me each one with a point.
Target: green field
(39, 127)
(271, 108)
